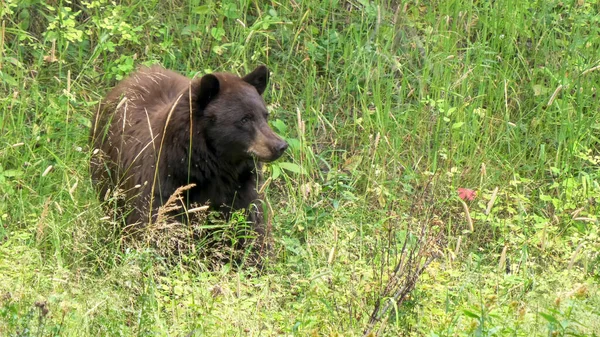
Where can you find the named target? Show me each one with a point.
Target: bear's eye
(246, 119)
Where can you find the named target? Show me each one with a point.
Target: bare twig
(414, 259)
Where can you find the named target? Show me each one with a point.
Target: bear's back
(129, 126)
(150, 87)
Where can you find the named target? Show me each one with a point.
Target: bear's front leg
(261, 245)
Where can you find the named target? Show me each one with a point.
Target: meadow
(442, 177)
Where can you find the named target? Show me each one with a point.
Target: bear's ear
(258, 78)
(209, 88)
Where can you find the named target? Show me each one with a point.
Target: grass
(388, 107)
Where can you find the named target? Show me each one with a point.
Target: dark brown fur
(158, 130)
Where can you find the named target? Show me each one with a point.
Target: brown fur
(158, 130)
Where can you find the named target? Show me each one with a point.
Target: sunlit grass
(388, 109)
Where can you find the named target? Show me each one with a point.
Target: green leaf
(276, 171)
(14, 62)
(204, 9)
(279, 125)
(24, 19)
(352, 163)
(457, 125)
(293, 143)
(85, 121)
(8, 79)
(291, 167)
(187, 30)
(217, 33)
(550, 318)
(12, 173)
(230, 11)
(470, 314)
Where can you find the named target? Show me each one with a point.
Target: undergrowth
(389, 108)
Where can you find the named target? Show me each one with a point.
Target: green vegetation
(389, 108)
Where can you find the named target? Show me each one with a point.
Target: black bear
(158, 130)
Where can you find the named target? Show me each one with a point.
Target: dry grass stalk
(264, 186)
(553, 97)
(160, 148)
(174, 203)
(332, 251)
(586, 219)
(41, 226)
(483, 171)
(2, 32)
(587, 71)
(377, 139)
(576, 212)
(462, 78)
(206, 239)
(198, 209)
(48, 169)
(467, 215)
(543, 240)
(490, 203)
(575, 254)
(506, 95)
(457, 249)
(301, 128)
(72, 190)
(502, 262)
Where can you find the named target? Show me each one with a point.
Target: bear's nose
(281, 147)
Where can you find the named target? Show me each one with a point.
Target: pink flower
(466, 194)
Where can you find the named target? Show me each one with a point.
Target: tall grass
(388, 108)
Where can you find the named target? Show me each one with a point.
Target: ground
(389, 109)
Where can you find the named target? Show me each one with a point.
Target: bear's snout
(281, 147)
(267, 146)
(278, 148)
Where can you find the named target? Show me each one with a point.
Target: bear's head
(235, 116)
